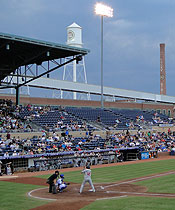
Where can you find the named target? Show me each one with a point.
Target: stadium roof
(16, 51)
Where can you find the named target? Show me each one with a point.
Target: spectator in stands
(8, 135)
(15, 153)
(6, 154)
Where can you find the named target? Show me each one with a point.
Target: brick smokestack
(162, 70)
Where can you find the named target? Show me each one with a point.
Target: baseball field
(136, 185)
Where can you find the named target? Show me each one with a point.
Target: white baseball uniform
(87, 178)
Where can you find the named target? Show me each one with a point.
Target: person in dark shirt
(51, 179)
(8, 135)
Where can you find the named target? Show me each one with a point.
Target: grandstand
(63, 147)
(67, 133)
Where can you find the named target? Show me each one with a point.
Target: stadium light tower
(104, 11)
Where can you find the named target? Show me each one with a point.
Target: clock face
(71, 35)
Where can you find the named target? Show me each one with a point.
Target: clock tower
(75, 71)
(162, 70)
(74, 35)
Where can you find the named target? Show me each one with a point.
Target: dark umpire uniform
(51, 179)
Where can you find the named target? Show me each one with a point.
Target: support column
(102, 103)
(17, 96)
(74, 77)
(17, 88)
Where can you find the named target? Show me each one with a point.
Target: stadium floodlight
(104, 11)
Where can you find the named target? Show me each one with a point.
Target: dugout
(130, 153)
(103, 156)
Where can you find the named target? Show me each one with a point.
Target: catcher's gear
(62, 176)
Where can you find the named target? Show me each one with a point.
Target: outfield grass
(122, 172)
(13, 196)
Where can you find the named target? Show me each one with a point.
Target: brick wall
(68, 102)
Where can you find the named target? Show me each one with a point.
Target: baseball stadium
(86, 147)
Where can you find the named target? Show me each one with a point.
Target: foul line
(30, 195)
(122, 196)
(136, 193)
(138, 179)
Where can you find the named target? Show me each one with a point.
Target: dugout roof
(16, 51)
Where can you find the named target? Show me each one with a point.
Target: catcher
(60, 184)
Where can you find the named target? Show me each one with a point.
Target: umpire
(51, 179)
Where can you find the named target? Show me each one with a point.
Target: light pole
(103, 11)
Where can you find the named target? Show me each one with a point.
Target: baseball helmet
(88, 167)
(62, 176)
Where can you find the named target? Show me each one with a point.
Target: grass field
(13, 196)
(133, 203)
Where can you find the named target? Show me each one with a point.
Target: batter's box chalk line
(32, 196)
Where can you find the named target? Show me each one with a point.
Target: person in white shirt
(6, 154)
(87, 178)
(15, 153)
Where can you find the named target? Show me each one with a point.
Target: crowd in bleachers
(57, 118)
(120, 119)
(23, 118)
(53, 144)
(53, 119)
(163, 142)
(9, 118)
